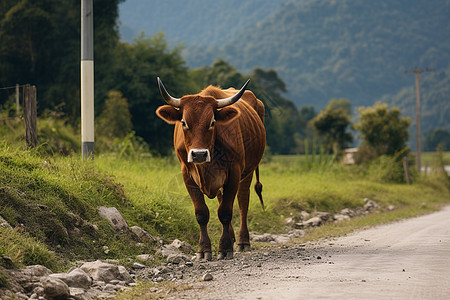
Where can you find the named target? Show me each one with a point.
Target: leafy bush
(388, 169)
(57, 137)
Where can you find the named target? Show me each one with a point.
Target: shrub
(388, 169)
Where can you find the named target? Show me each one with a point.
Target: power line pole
(417, 72)
(87, 79)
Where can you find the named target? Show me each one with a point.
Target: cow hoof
(204, 255)
(223, 255)
(208, 256)
(244, 248)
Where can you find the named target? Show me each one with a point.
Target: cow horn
(169, 99)
(228, 101)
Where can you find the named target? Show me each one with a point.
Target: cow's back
(245, 136)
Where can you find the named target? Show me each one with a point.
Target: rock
(33, 296)
(313, 222)
(183, 246)
(173, 250)
(4, 224)
(110, 288)
(347, 212)
(340, 217)
(77, 278)
(207, 277)
(369, 204)
(125, 275)
(304, 215)
(54, 288)
(266, 237)
(297, 233)
(27, 279)
(138, 266)
(391, 207)
(145, 257)
(143, 235)
(80, 294)
(282, 238)
(114, 217)
(177, 258)
(325, 216)
(21, 296)
(100, 271)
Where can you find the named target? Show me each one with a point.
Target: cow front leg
(202, 216)
(204, 244)
(225, 213)
(231, 230)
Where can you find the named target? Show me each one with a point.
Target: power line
(10, 87)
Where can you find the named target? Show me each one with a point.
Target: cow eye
(183, 123)
(212, 124)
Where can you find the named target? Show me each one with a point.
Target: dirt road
(404, 260)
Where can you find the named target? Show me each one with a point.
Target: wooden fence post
(30, 115)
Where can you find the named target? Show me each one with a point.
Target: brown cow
(219, 142)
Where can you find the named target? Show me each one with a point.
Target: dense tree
(115, 119)
(383, 130)
(332, 124)
(40, 44)
(282, 120)
(137, 66)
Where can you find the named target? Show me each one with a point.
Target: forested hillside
(322, 49)
(351, 49)
(434, 99)
(307, 52)
(199, 22)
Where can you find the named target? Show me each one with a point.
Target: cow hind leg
(243, 200)
(225, 213)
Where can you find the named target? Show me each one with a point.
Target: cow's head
(198, 116)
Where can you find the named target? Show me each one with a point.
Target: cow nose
(199, 156)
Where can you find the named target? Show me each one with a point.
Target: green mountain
(322, 49)
(342, 49)
(434, 100)
(194, 22)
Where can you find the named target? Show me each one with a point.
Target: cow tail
(258, 187)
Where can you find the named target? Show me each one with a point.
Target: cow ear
(168, 113)
(226, 114)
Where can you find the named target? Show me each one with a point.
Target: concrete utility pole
(87, 79)
(417, 72)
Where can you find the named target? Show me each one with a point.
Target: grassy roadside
(289, 188)
(52, 202)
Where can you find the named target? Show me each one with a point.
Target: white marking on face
(199, 156)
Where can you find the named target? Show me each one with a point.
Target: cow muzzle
(199, 156)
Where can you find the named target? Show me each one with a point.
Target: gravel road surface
(403, 260)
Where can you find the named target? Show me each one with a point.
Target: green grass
(429, 158)
(289, 187)
(52, 201)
